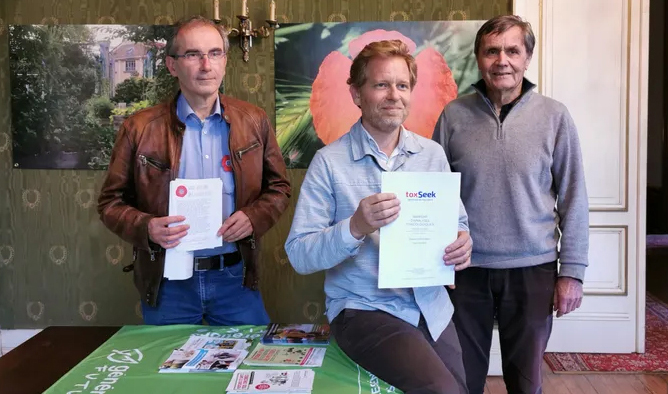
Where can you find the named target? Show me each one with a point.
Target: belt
(215, 262)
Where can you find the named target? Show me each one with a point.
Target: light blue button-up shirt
(339, 176)
(205, 147)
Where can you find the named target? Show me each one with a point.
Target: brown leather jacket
(146, 158)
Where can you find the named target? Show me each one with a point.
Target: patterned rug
(654, 360)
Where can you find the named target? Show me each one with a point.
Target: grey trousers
(400, 354)
(521, 301)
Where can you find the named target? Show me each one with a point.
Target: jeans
(216, 296)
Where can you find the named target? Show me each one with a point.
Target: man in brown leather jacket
(199, 134)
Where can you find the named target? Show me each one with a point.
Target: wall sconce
(245, 32)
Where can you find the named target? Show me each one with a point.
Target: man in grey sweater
(524, 191)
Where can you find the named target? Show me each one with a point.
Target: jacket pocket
(149, 161)
(241, 152)
(152, 178)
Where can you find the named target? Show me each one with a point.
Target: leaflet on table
(269, 356)
(412, 247)
(291, 334)
(206, 354)
(271, 381)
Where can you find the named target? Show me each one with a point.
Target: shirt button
(205, 132)
(206, 156)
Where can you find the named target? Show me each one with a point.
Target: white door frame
(535, 12)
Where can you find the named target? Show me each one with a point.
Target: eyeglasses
(195, 56)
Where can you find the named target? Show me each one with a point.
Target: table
(55, 350)
(126, 360)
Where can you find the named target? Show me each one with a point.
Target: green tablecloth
(128, 363)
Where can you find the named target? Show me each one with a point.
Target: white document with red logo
(412, 247)
(201, 202)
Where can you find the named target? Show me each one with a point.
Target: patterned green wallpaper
(58, 264)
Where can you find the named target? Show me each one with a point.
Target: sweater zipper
(499, 124)
(499, 128)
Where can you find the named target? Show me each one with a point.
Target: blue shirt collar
(363, 144)
(184, 110)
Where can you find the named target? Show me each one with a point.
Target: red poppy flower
(332, 106)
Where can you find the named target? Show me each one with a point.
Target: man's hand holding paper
(237, 226)
(373, 213)
(459, 252)
(160, 232)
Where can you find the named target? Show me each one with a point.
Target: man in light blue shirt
(403, 336)
(204, 154)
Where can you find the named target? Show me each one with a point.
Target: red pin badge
(226, 163)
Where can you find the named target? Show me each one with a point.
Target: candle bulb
(216, 10)
(244, 8)
(272, 10)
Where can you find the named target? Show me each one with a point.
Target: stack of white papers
(201, 202)
(271, 381)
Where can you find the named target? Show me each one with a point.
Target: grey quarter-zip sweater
(523, 183)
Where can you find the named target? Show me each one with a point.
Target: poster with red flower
(313, 103)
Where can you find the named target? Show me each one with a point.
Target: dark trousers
(521, 300)
(400, 354)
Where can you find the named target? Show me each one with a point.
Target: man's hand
(373, 213)
(459, 252)
(237, 226)
(567, 295)
(168, 237)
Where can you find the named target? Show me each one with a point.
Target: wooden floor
(591, 383)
